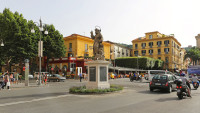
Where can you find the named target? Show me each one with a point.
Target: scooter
(195, 85)
(182, 90)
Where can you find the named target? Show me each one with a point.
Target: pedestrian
(80, 75)
(5, 79)
(45, 79)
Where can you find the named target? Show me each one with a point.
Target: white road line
(34, 100)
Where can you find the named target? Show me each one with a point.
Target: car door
(170, 80)
(173, 84)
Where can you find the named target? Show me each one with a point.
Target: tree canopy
(21, 44)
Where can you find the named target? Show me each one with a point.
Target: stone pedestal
(97, 75)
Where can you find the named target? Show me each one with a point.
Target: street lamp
(40, 46)
(2, 44)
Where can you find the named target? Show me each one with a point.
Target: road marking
(34, 100)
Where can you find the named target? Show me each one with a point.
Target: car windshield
(161, 77)
(56, 75)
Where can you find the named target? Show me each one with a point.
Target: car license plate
(157, 83)
(178, 90)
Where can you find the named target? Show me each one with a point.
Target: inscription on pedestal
(92, 74)
(103, 73)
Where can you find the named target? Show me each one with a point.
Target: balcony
(143, 47)
(136, 47)
(159, 53)
(166, 45)
(143, 54)
(159, 45)
(166, 52)
(150, 53)
(136, 54)
(150, 46)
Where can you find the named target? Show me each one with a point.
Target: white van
(150, 74)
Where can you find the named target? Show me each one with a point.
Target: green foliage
(193, 53)
(83, 90)
(21, 44)
(139, 62)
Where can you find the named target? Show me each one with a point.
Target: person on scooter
(195, 79)
(185, 82)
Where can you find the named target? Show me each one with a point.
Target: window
(166, 50)
(150, 44)
(159, 43)
(136, 53)
(151, 51)
(159, 51)
(166, 42)
(143, 52)
(136, 46)
(150, 36)
(143, 45)
(70, 47)
(86, 47)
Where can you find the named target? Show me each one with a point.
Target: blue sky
(120, 20)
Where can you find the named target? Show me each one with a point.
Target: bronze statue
(98, 49)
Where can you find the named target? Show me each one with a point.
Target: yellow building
(160, 46)
(82, 46)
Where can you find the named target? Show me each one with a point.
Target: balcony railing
(150, 53)
(150, 46)
(166, 52)
(159, 53)
(136, 47)
(143, 47)
(86, 50)
(159, 45)
(166, 45)
(143, 54)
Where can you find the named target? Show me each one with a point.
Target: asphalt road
(55, 98)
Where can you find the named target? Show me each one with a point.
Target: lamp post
(40, 46)
(2, 44)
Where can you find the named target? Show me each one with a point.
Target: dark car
(56, 77)
(165, 82)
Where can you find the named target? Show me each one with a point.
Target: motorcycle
(135, 78)
(195, 85)
(182, 90)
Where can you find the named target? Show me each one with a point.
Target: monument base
(98, 75)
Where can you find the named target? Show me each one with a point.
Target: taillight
(166, 84)
(179, 87)
(150, 82)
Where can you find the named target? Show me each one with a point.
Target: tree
(21, 44)
(18, 43)
(193, 54)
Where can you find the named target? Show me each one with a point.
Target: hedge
(143, 62)
(83, 90)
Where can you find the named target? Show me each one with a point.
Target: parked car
(30, 76)
(163, 81)
(56, 77)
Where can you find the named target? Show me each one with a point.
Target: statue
(98, 49)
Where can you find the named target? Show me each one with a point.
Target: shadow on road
(35, 95)
(158, 92)
(175, 98)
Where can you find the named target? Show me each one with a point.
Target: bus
(151, 73)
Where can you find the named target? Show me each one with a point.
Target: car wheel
(151, 89)
(170, 89)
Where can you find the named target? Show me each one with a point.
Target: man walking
(80, 75)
